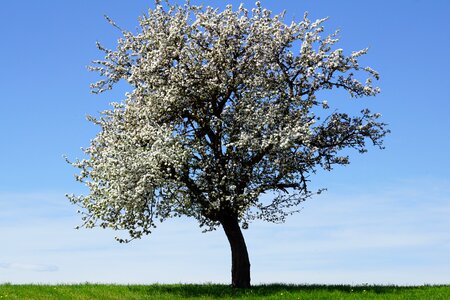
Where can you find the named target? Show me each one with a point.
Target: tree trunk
(240, 264)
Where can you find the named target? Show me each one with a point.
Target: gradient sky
(384, 219)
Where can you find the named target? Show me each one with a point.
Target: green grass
(216, 291)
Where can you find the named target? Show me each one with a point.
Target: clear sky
(384, 219)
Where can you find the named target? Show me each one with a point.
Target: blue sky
(384, 219)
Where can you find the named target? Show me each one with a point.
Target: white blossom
(222, 109)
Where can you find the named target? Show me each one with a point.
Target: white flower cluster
(223, 109)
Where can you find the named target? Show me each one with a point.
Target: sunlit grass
(216, 291)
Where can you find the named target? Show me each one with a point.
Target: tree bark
(240, 263)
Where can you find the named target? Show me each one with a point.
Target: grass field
(215, 291)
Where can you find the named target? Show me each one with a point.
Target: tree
(223, 108)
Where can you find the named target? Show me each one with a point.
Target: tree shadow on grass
(220, 291)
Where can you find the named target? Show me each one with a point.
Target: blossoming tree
(223, 108)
